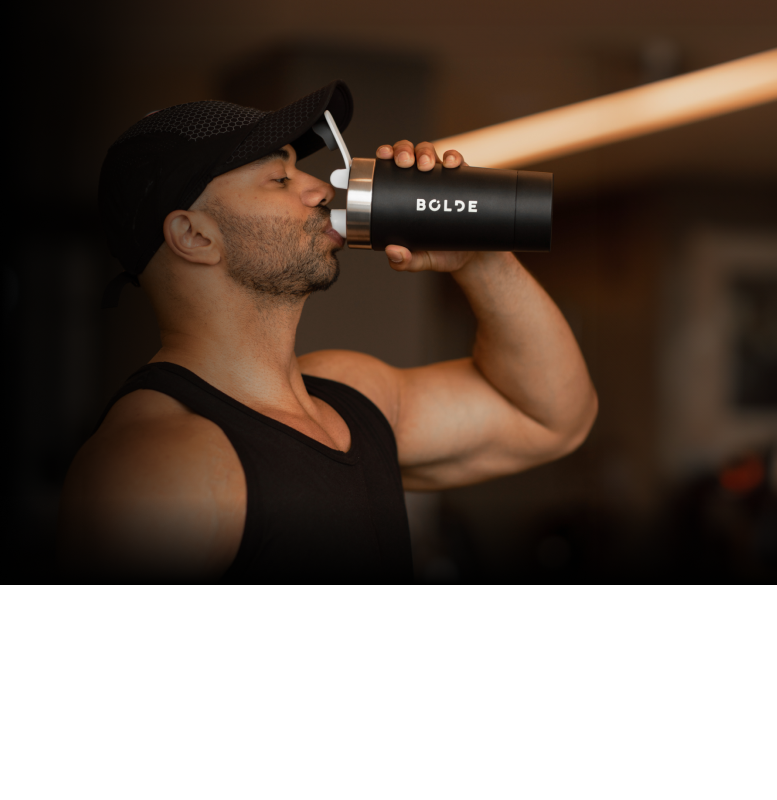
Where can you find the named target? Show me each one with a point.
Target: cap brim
(292, 124)
(340, 106)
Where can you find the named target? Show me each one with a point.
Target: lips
(319, 223)
(334, 235)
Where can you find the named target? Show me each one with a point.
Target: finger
(426, 156)
(404, 153)
(452, 158)
(402, 260)
(385, 151)
(399, 257)
(420, 261)
(425, 260)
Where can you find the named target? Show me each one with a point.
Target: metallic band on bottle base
(359, 203)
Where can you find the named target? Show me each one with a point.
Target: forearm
(524, 347)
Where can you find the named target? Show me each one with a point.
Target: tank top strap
(173, 380)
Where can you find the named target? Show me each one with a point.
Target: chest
(325, 425)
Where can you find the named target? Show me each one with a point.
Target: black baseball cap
(165, 161)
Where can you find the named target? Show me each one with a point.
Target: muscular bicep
(454, 428)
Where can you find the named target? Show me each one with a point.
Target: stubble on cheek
(277, 256)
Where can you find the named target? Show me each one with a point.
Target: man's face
(277, 238)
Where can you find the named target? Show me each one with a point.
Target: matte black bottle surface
(464, 208)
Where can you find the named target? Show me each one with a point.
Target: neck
(237, 341)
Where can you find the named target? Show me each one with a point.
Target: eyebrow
(260, 162)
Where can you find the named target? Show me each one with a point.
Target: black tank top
(313, 514)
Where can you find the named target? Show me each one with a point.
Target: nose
(319, 193)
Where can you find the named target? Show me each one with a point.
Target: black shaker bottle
(463, 208)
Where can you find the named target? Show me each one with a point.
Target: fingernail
(404, 158)
(424, 161)
(385, 150)
(395, 257)
(450, 159)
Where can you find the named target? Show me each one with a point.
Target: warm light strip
(657, 106)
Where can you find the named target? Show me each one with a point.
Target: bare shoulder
(375, 379)
(156, 490)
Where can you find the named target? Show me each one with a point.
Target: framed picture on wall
(718, 349)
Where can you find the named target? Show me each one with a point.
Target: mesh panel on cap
(279, 126)
(195, 121)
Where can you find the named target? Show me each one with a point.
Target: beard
(279, 257)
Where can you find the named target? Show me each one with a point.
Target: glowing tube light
(657, 106)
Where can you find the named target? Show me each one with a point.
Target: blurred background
(664, 261)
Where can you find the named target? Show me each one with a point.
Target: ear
(193, 236)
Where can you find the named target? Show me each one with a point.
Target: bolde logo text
(434, 205)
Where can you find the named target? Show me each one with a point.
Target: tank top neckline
(347, 457)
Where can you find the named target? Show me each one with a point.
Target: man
(228, 456)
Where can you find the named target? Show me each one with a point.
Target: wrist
(483, 265)
(495, 285)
